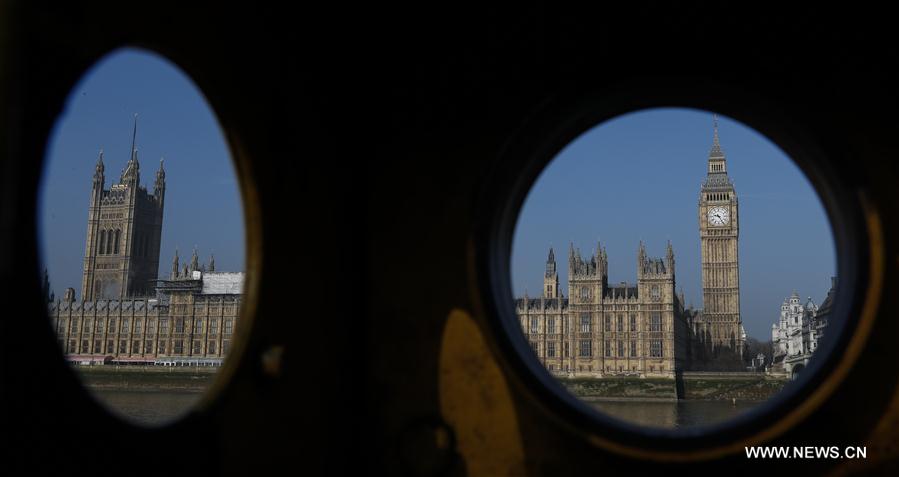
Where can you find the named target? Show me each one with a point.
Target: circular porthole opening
(142, 238)
(672, 271)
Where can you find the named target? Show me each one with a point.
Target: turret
(641, 259)
(194, 261)
(99, 181)
(175, 265)
(669, 258)
(159, 185)
(211, 263)
(550, 264)
(551, 277)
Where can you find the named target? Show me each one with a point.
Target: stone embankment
(696, 386)
(146, 378)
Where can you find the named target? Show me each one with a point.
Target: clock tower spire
(719, 230)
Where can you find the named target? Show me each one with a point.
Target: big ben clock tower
(719, 230)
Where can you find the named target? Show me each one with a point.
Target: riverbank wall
(146, 378)
(696, 386)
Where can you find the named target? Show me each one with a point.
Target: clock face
(719, 216)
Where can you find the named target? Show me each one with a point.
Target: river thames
(161, 407)
(673, 414)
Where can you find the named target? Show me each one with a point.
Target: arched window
(115, 246)
(110, 235)
(102, 242)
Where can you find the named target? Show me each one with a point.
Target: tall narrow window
(115, 243)
(585, 322)
(586, 348)
(102, 246)
(655, 321)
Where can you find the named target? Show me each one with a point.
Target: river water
(148, 407)
(673, 414)
(161, 407)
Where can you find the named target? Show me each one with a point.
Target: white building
(787, 335)
(795, 336)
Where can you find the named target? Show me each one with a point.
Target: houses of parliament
(643, 329)
(126, 315)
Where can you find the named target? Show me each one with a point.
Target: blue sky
(202, 202)
(638, 177)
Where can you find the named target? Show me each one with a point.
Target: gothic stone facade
(719, 327)
(124, 230)
(190, 322)
(643, 329)
(125, 314)
(603, 329)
